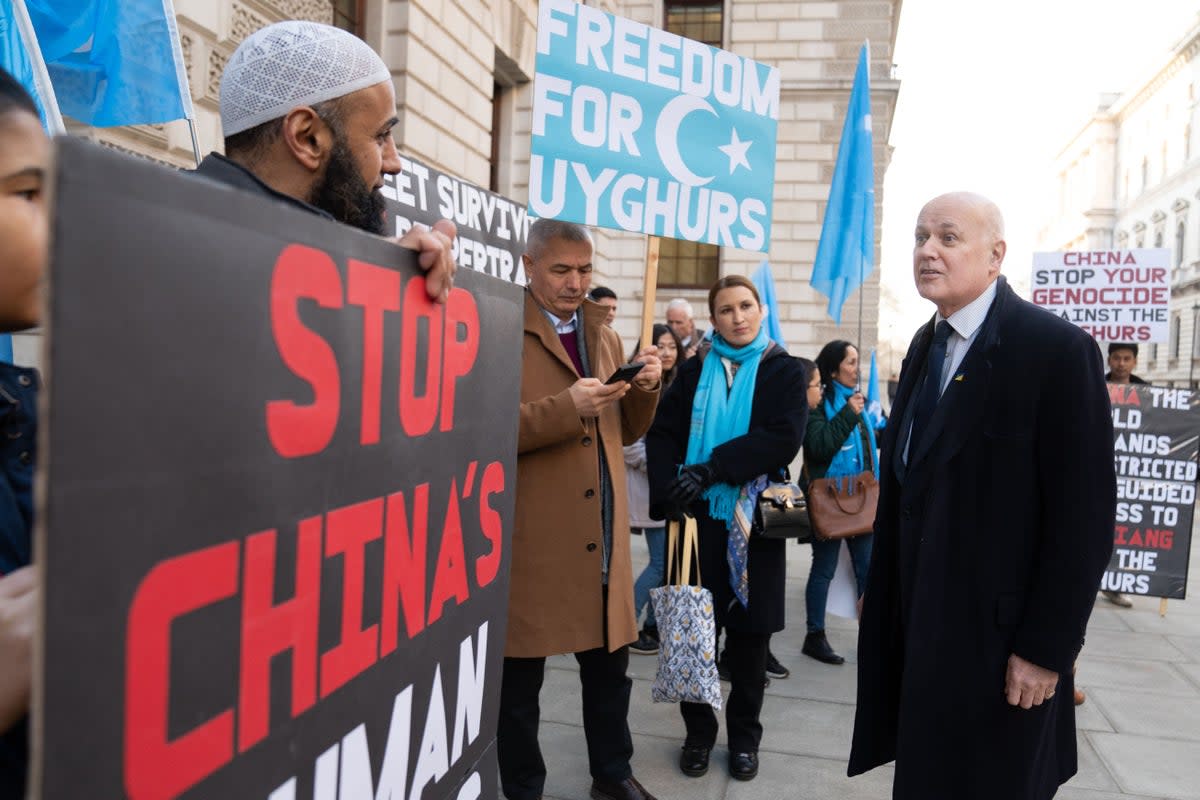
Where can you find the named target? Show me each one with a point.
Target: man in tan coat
(572, 580)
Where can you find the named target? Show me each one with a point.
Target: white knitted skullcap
(291, 64)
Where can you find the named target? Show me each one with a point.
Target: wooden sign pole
(649, 287)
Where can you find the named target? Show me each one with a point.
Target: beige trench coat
(555, 593)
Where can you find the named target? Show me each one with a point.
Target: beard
(343, 193)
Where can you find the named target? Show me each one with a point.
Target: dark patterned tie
(931, 390)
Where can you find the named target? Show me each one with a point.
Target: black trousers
(746, 657)
(606, 690)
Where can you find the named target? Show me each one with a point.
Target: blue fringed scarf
(720, 414)
(849, 460)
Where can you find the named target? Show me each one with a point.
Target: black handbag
(782, 513)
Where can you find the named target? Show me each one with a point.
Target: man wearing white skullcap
(307, 112)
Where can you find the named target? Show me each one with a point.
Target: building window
(1145, 173)
(1195, 338)
(687, 265)
(1180, 232)
(1174, 343)
(1158, 238)
(497, 136)
(347, 15)
(702, 20)
(691, 264)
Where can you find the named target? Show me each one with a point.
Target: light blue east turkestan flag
(874, 406)
(764, 282)
(846, 251)
(20, 57)
(113, 62)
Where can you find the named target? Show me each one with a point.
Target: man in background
(680, 319)
(607, 298)
(1122, 361)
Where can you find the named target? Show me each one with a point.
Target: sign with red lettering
(278, 497)
(491, 228)
(1114, 295)
(1156, 433)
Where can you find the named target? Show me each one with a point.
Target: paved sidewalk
(1139, 731)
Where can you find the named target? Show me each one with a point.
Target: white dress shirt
(964, 326)
(561, 327)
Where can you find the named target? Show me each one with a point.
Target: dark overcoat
(776, 432)
(991, 542)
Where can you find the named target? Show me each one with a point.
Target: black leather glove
(690, 484)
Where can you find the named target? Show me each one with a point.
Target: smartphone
(625, 372)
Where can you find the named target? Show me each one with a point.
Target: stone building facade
(1131, 178)
(463, 72)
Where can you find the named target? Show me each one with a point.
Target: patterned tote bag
(687, 629)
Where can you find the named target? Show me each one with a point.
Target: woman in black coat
(747, 432)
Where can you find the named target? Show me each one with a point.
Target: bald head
(985, 211)
(958, 249)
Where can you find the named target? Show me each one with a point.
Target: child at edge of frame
(24, 159)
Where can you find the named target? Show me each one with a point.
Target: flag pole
(649, 289)
(195, 143)
(862, 273)
(185, 94)
(41, 76)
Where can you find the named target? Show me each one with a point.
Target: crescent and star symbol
(667, 134)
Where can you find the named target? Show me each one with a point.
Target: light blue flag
(113, 62)
(638, 129)
(874, 406)
(846, 252)
(764, 282)
(20, 57)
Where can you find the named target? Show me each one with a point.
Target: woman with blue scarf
(839, 442)
(731, 420)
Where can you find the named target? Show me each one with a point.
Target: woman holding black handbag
(730, 421)
(839, 442)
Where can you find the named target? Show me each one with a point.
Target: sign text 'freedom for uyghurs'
(638, 129)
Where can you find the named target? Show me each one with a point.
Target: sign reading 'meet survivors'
(491, 228)
(278, 488)
(638, 129)
(1114, 295)
(1155, 446)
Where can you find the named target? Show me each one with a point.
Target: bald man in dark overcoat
(995, 522)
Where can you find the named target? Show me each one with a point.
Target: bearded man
(307, 111)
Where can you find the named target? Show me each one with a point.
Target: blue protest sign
(638, 129)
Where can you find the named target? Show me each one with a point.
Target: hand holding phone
(625, 372)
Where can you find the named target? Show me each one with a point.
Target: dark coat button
(24, 380)
(590, 493)
(25, 457)
(587, 440)
(591, 547)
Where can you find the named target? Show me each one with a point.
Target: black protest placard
(491, 228)
(1155, 433)
(278, 490)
